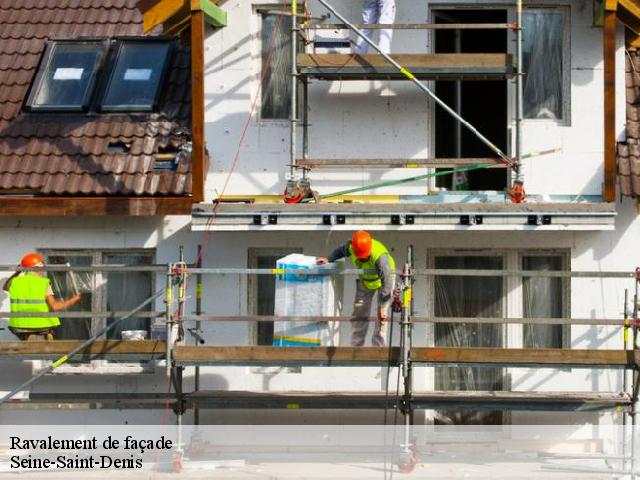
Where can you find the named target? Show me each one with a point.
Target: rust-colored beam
(197, 106)
(610, 24)
(94, 206)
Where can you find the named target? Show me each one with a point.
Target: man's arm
(7, 284)
(341, 252)
(384, 271)
(56, 306)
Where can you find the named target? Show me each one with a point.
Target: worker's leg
(387, 15)
(370, 14)
(379, 338)
(361, 309)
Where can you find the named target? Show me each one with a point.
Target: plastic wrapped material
(304, 295)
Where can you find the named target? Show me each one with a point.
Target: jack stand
(298, 190)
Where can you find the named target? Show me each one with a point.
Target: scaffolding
(409, 67)
(177, 353)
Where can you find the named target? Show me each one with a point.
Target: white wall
(228, 295)
(388, 119)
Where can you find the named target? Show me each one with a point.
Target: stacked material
(304, 296)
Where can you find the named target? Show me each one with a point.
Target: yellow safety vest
(371, 280)
(28, 294)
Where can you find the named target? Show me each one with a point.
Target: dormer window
(120, 75)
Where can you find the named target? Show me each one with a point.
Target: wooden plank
(526, 401)
(99, 347)
(159, 13)
(187, 355)
(548, 357)
(95, 206)
(396, 162)
(409, 61)
(198, 175)
(609, 33)
(332, 66)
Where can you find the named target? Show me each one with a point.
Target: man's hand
(382, 315)
(322, 261)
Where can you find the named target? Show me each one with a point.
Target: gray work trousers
(362, 309)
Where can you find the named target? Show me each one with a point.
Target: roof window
(119, 75)
(66, 76)
(136, 77)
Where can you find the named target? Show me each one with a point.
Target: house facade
(571, 221)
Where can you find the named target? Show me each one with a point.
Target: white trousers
(362, 308)
(377, 11)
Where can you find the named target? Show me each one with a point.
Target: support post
(519, 92)
(168, 300)
(609, 33)
(196, 410)
(407, 460)
(294, 85)
(198, 153)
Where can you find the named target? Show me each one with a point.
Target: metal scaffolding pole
(519, 91)
(294, 86)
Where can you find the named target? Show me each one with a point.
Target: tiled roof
(69, 154)
(629, 151)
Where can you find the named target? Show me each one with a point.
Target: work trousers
(362, 309)
(377, 11)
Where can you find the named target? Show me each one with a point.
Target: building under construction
(164, 155)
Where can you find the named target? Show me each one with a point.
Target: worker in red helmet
(30, 292)
(369, 254)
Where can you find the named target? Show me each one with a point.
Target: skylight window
(139, 68)
(66, 77)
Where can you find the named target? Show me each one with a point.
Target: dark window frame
(115, 52)
(43, 67)
(100, 77)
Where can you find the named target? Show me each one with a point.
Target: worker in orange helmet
(369, 254)
(30, 292)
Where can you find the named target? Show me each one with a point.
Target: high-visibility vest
(28, 294)
(371, 280)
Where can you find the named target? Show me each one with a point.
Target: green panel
(214, 15)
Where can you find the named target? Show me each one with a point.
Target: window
(543, 297)
(276, 62)
(469, 297)
(135, 79)
(545, 61)
(67, 76)
(101, 291)
(109, 75)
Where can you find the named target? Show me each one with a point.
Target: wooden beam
(609, 53)
(629, 14)
(159, 13)
(214, 355)
(413, 60)
(99, 347)
(94, 206)
(198, 153)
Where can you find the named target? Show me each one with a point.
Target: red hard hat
(31, 260)
(361, 244)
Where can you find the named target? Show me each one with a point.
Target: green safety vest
(371, 280)
(28, 294)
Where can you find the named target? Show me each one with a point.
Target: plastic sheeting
(304, 295)
(276, 60)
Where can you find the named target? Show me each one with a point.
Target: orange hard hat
(361, 243)
(31, 260)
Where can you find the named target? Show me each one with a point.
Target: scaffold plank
(526, 401)
(334, 66)
(112, 349)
